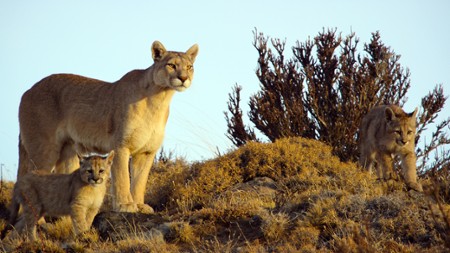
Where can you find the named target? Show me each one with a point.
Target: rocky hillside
(289, 196)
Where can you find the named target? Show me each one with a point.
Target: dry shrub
(274, 226)
(153, 244)
(231, 206)
(215, 245)
(6, 188)
(40, 245)
(181, 232)
(166, 177)
(60, 230)
(322, 214)
(303, 235)
(295, 163)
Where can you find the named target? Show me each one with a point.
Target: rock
(117, 226)
(260, 185)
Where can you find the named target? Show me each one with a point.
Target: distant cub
(79, 194)
(385, 132)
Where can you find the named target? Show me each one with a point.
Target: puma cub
(79, 194)
(385, 132)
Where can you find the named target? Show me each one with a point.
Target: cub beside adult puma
(129, 116)
(387, 131)
(79, 194)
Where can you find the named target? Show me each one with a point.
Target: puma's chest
(145, 133)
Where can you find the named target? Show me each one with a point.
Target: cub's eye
(410, 132)
(190, 67)
(171, 65)
(398, 132)
(89, 171)
(101, 171)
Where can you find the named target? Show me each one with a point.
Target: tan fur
(79, 194)
(65, 111)
(385, 132)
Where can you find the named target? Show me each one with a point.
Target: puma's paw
(126, 208)
(390, 176)
(415, 186)
(144, 208)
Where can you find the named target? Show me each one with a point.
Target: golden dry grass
(289, 196)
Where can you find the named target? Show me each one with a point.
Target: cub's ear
(192, 52)
(81, 158)
(390, 115)
(158, 51)
(414, 113)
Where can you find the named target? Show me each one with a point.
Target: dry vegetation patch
(289, 196)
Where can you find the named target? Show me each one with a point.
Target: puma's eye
(398, 132)
(190, 67)
(410, 132)
(90, 171)
(101, 171)
(171, 65)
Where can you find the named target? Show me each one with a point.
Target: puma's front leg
(409, 172)
(386, 165)
(68, 159)
(140, 169)
(120, 182)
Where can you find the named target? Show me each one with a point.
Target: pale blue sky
(106, 39)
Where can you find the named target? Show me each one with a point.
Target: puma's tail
(23, 160)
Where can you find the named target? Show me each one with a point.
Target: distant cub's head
(95, 169)
(174, 70)
(401, 125)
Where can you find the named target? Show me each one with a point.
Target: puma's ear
(390, 115)
(192, 52)
(158, 51)
(414, 113)
(111, 157)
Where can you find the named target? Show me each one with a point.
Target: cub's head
(95, 169)
(401, 125)
(174, 70)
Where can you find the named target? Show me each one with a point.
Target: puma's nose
(182, 78)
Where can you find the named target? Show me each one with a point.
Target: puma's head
(401, 125)
(173, 70)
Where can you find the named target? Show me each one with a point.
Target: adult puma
(385, 132)
(65, 111)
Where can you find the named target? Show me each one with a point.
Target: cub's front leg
(90, 215)
(78, 215)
